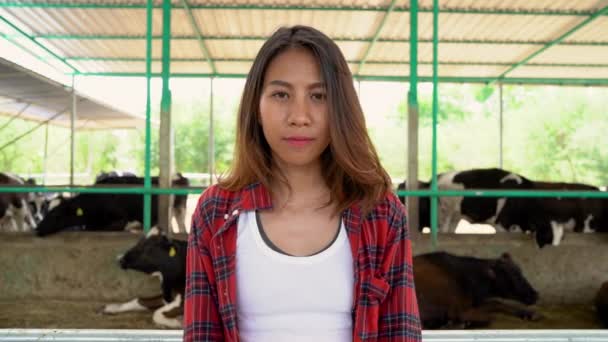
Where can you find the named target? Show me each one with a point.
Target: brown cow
(464, 291)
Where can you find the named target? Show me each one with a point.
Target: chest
(300, 233)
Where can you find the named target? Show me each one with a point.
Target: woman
(303, 240)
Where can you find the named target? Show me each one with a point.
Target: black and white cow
(601, 304)
(159, 256)
(545, 217)
(465, 291)
(486, 210)
(551, 216)
(101, 177)
(108, 212)
(15, 213)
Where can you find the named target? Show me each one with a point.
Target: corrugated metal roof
(477, 38)
(41, 99)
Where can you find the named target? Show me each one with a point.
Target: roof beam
(370, 46)
(249, 60)
(484, 80)
(40, 45)
(263, 38)
(199, 36)
(577, 27)
(459, 10)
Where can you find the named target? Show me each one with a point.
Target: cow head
(70, 213)
(151, 254)
(509, 282)
(543, 234)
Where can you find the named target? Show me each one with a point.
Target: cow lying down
(158, 256)
(463, 292)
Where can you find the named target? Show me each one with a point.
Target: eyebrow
(290, 86)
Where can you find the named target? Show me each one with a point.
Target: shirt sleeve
(202, 321)
(399, 316)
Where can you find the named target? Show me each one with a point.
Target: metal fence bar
(419, 193)
(112, 335)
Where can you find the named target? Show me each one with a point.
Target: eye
(320, 97)
(280, 95)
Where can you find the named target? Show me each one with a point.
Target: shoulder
(389, 208)
(212, 205)
(388, 216)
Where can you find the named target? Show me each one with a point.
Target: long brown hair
(350, 164)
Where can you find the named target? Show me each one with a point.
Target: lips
(298, 141)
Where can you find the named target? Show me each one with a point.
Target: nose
(299, 112)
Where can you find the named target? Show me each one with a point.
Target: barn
(58, 58)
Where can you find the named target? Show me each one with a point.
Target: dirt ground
(56, 314)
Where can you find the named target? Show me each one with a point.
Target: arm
(399, 318)
(202, 321)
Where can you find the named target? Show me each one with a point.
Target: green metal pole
(199, 37)
(16, 116)
(37, 43)
(376, 36)
(434, 186)
(147, 179)
(412, 123)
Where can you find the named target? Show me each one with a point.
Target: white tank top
(287, 298)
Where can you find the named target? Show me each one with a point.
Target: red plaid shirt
(385, 306)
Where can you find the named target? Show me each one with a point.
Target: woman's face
(293, 109)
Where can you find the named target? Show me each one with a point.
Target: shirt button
(226, 217)
(235, 212)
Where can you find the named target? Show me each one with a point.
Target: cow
(474, 209)
(601, 304)
(108, 212)
(546, 218)
(15, 214)
(101, 177)
(460, 291)
(551, 216)
(165, 258)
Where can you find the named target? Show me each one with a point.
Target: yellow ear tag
(172, 252)
(79, 212)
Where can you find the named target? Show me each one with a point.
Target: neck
(305, 187)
